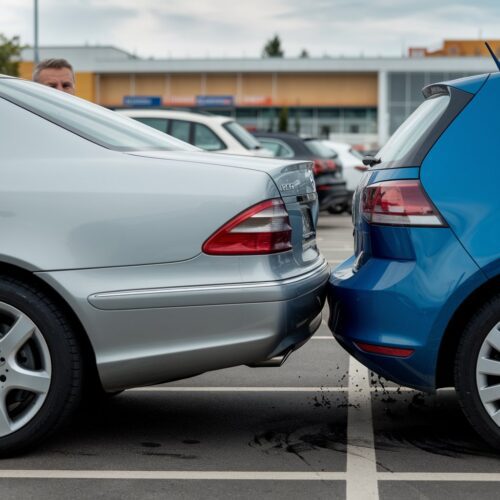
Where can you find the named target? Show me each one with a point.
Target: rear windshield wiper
(371, 160)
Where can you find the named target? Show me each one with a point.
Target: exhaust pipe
(274, 362)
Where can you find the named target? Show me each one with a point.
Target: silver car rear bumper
(209, 294)
(150, 336)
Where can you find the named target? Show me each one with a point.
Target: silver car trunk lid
(291, 177)
(294, 180)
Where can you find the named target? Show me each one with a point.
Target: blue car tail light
(399, 203)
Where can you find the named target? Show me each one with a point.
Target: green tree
(304, 54)
(273, 48)
(283, 120)
(10, 52)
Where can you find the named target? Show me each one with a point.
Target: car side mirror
(371, 160)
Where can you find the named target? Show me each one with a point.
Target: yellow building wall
(255, 86)
(252, 89)
(221, 84)
(26, 70)
(112, 88)
(183, 89)
(150, 84)
(466, 48)
(264, 89)
(326, 90)
(85, 86)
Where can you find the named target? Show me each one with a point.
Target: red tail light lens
(397, 352)
(361, 168)
(262, 229)
(318, 167)
(331, 165)
(399, 203)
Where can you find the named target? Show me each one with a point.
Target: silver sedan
(129, 258)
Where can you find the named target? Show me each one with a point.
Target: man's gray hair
(52, 64)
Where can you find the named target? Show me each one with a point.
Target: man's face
(58, 78)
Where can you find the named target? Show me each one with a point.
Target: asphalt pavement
(321, 426)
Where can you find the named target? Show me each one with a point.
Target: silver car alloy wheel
(488, 373)
(25, 369)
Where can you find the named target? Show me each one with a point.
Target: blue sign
(219, 101)
(142, 101)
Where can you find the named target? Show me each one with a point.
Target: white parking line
(159, 474)
(261, 389)
(361, 460)
(439, 476)
(229, 475)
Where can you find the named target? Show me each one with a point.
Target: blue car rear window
(415, 126)
(411, 143)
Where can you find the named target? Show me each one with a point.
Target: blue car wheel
(477, 371)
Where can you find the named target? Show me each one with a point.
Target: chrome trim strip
(206, 288)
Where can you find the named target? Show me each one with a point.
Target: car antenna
(495, 58)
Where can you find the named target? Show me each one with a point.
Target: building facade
(360, 100)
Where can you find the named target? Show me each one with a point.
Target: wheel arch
(452, 334)
(26, 276)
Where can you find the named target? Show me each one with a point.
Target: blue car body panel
(466, 150)
(404, 284)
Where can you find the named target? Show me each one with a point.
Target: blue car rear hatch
(401, 158)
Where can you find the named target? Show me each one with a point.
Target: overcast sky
(232, 28)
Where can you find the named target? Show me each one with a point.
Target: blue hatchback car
(419, 301)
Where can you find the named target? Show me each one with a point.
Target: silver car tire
(40, 367)
(477, 371)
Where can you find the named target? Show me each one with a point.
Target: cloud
(198, 28)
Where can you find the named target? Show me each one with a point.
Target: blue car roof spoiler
(470, 84)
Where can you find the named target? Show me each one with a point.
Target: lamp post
(36, 56)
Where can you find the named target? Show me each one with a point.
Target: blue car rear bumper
(399, 303)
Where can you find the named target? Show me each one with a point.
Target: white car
(352, 163)
(209, 132)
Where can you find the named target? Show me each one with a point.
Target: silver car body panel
(118, 236)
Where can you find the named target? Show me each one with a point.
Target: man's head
(55, 73)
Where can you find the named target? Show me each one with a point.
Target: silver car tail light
(261, 229)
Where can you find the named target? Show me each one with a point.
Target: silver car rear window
(88, 120)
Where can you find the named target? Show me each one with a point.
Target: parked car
(207, 131)
(332, 192)
(352, 165)
(131, 258)
(419, 302)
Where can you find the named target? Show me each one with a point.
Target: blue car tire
(477, 371)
